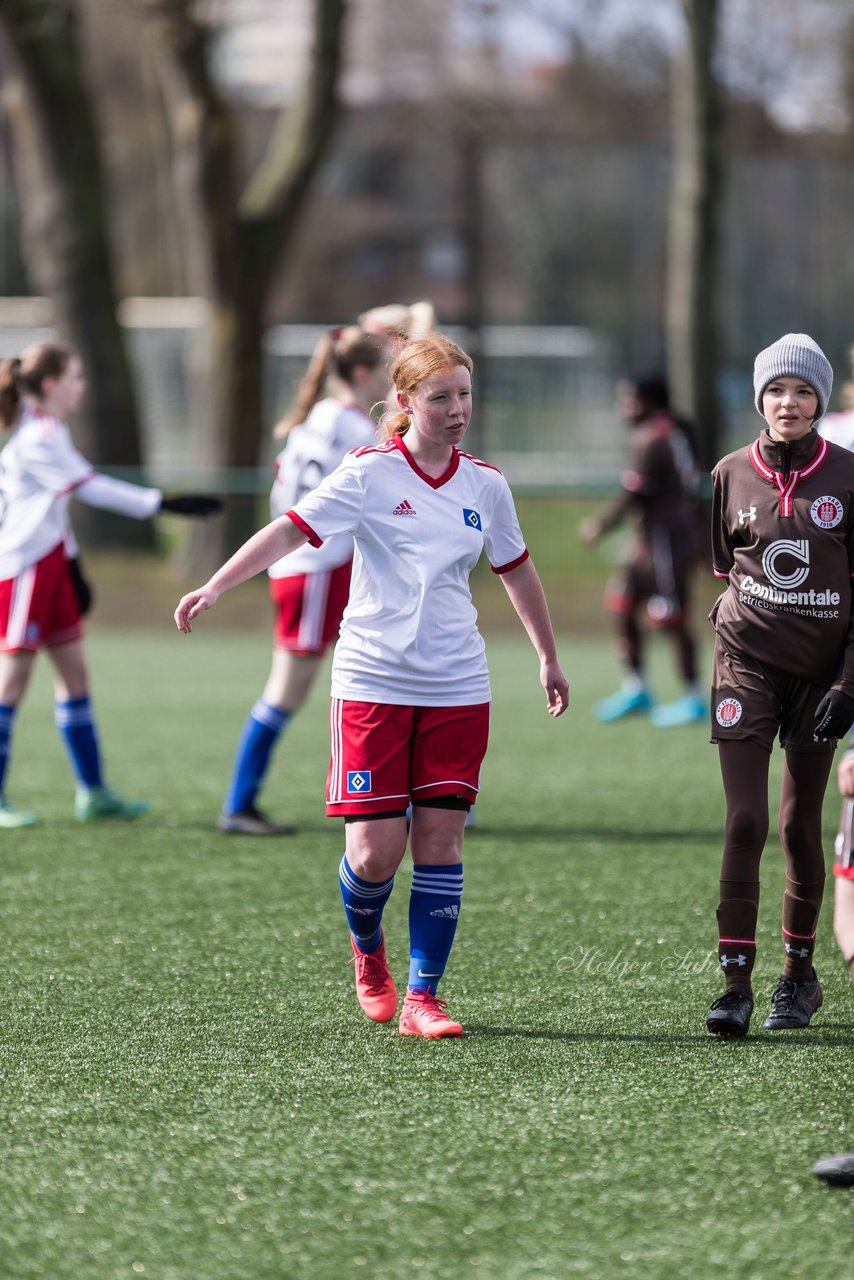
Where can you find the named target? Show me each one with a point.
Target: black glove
(835, 715)
(192, 504)
(82, 590)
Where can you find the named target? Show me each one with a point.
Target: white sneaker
(11, 817)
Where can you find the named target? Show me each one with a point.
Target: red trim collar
(435, 482)
(786, 488)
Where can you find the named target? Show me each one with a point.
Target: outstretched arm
(275, 540)
(525, 590)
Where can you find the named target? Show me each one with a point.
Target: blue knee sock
(434, 908)
(76, 724)
(363, 903)
(254, 751)
(7, 721)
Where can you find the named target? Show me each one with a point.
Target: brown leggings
(744, 769)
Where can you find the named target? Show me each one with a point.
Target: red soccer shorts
(39, 607)
(383, 756)
(309, 608)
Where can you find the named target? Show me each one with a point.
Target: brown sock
(739, 907)
(801, 905)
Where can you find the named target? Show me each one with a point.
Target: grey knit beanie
(795, 355)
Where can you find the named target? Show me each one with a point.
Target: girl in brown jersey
(783, 537)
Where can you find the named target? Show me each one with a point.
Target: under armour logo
(741, 961)
(803, 952)
(744, 516)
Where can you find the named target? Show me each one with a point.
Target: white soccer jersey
(838, 428)
(39, 471)
(409, 634)
(313, 450)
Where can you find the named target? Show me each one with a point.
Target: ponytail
(338, 354)
(10, 392)
(41, 360)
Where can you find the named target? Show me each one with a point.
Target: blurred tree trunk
(693, 331)
(236, 238)
(66, 242)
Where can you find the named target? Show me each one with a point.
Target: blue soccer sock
(364, 901)
(76, 724)
(7, 723)
(434, 908)
(254, 751)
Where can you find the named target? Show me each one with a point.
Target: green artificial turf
(189, 1091)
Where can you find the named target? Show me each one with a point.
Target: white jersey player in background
(410, 686)
(42, 594)
(349, 369)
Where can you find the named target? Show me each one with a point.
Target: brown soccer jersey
(783, 535)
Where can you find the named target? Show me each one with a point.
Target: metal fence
(545, 414)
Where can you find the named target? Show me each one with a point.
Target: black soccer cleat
(836, 1171)
(730, 1015)
(793, 1003)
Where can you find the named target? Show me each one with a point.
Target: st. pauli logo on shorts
(728, 712)
(472, 519)
(826, 512)
(358, 781)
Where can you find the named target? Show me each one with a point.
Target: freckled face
(789, 406)
(441, 406)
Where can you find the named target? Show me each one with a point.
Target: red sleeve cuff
(719, 573)
(306, 528)
(69, 488)
(505, 568)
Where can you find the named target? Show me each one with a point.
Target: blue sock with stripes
(7, 723)
(363, 903)
(76, 725)
(434, 908)
(254, 751)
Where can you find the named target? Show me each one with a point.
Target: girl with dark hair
(410, 686)
(42, 594)
(659, 495)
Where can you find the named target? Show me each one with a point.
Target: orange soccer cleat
(375, 989)
(424, 1015)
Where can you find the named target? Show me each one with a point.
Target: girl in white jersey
(410, 686)
(349, 369)
(41, 597)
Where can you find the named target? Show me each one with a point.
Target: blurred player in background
(660, 487)
(42, 592)
(783, 537)
(838, 1171)
(400, 321)
(410, 686)
(839, 427)
(347, 376)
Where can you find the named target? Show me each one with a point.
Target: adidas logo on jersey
(447, 913)
(404, 509)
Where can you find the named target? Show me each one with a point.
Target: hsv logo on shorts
(728, 712)
(472, 518)
(358, 781)
(826, 512)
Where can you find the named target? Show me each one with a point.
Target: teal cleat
(622, 703)
(688, 709)
(92, 804)
(11, 817)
